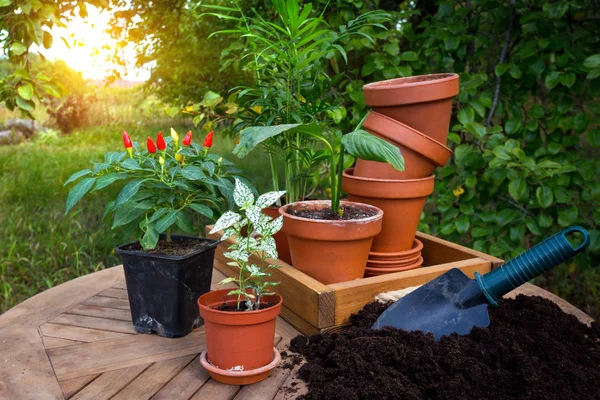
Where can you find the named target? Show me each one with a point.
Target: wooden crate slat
(184, 384)
(439, 251)
(114, 293)
(101, 312)
(213, 390)
(71, 386)
(52, 342)
(120, 285)
(298, 322)
(107, 355)
(109, 302)
(153, 379)
(109, 383)
(79, 334)
(305, 296)
(25, 371)
(351, 296)
(104, 324)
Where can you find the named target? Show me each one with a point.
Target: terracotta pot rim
(210, 309)
(239, 374)
(327, 203)
(350, 174)
(394, 189)
(416, 264)
(402, 134)
(411, 90)
(416, 247)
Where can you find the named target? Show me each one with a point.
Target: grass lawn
(40, 247)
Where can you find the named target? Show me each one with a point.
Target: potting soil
(175, 248)
(531, 350)
(326, 213)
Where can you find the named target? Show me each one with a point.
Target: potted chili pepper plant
(168, 183)
(240, 323)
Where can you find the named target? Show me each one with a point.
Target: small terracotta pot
(238, 340)
(416, 248)
(369, 271)
(422, 102)
(393, 263)
(402, 202)
(421, 153)
(330, 251)
(283, 248)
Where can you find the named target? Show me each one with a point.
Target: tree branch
(503, 54)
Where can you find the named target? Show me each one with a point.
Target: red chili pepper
(208, 139)
(127, 140)
(187, 140)
(160, 141)
(151, 146)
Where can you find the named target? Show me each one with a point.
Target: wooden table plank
(79, 334)
(25, 372)
(109, 383)
(185, 384)
(103, 324)
(213, 390)
(107, 355)
(293, 387)
(114, 293)
(44, 306)
(53, 343)
(153, 379)
(107, 302)
(120, 285)
(101, 312)
(70, 387)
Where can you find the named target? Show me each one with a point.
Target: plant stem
(274, 174)
(169, 236)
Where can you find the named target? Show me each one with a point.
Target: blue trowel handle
(535, 261)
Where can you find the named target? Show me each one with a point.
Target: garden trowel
(452, 302)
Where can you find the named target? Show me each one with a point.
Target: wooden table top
(76, 341)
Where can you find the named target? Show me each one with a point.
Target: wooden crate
(313, 307)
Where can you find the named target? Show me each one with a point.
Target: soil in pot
(422, 102)
(163, 284)
(329, 247)
(531, 350)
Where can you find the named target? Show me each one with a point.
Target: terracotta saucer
(240, 377)
(416, 248)
(391, 263)
(383, 271)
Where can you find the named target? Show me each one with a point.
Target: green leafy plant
(166, 183)
(258, 239)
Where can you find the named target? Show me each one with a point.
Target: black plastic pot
(163, 290)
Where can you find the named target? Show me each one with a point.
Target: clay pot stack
(413, 114)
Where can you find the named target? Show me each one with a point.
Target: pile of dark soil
(326, 213)
(531, 350)
(175, 248)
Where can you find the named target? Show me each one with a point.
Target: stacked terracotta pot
(413, 114)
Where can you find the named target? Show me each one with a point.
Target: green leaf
(150, 238)
(466, 115)
(254, 135)
(501, 69)
(515, 72)
(47, 39)
(478, 232)
(391, 48)
(361, 144)
(462, 224)
(552, 79)
(516, 188)
(79, 191)
(131, 164)
(544, 196)
(476, 129)
(567, 216)
(545, 221)
(128, 192)
(202, 210)
(211, 99)
(126, 213)
(193, 173)
(172, 111)
(225, 221)
(452, 43)
(77, 175)
(26, 91)
(592, 61)
(512, 126)
(26, 105)
(167, 221)
(409, 56)
(568, 79)
(242, 195)
(184, 223)
(18, 48)
(108, 179)
(593, 137)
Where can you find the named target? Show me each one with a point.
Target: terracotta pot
(330, 251)
(393, 263)
(369, 271)
(283, 248)
(240, 377)
(402, 202)
(236, 340)
(421, 153)
(422, 102)
(414, 250)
